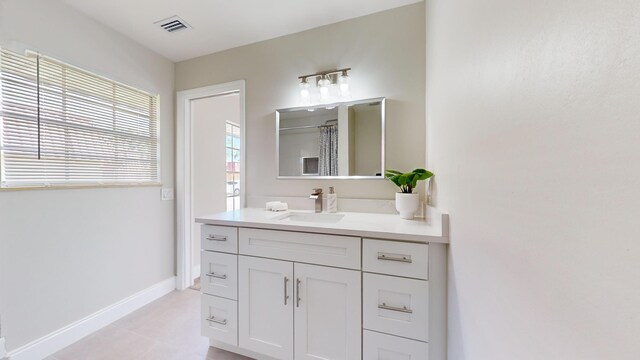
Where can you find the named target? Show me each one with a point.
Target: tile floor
(166, 329)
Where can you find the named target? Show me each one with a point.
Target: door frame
(184, 162)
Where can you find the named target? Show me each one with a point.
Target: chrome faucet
(317, 196)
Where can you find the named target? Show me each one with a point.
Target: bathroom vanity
(303, 285)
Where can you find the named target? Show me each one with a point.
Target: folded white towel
(280, 207)
(276, 206)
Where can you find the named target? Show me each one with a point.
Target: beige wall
(210, 116)
(65, 254)
(534, 136)
(386, 52)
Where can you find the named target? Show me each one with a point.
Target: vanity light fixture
(326, 82)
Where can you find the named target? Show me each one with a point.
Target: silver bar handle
(403, 309)
(298, 281)
(286, 296)
(216, 238)
(217, 276)
(401, 258)
(217, 321)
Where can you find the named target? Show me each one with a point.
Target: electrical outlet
(3, 349)
(167, 194)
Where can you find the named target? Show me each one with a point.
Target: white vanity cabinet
(272, 293)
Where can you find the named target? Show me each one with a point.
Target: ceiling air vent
(173, 24)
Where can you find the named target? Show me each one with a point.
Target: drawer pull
(298, 281)
(217, 276)
(403, 309)
(401, 258)
(217, 321)
(216, 238)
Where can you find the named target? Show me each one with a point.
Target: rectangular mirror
(331, 141)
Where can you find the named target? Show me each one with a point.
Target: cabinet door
(327, 313)
(265, 306)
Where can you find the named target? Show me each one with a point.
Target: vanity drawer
(219, 238)
(331, 250)
(220, 319)
(396, 258)
(219, 274)
(395, 305)
(377, 346)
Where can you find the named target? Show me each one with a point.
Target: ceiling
(221, 24)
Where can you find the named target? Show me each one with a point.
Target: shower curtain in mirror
(328, 159)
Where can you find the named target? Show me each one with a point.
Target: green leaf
(404, 179)
(407, 181)
(425, 175)
(410, 177)
(394, 179)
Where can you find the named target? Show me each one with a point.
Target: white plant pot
(407, 204)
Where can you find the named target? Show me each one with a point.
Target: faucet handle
(317, 191)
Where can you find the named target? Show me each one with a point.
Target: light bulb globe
(344, 81)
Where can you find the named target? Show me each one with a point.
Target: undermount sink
(313, 217)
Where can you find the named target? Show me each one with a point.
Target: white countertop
(435, 228)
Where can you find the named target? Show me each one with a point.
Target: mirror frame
(383, 111)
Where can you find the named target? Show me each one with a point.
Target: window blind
(64, 125)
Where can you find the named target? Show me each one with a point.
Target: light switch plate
(167, 194)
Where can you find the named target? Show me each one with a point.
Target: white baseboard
(61, 338)
(195, 272)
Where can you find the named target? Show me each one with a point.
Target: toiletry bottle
(332, 201)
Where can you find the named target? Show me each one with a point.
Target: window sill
(79, 186)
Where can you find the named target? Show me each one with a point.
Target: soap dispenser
(332, 201)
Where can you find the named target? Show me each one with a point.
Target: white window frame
(38, 181)
(227, 172)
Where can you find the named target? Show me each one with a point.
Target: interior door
(327, 313)
(265, 302)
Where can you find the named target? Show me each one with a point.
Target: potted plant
(407, 202)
